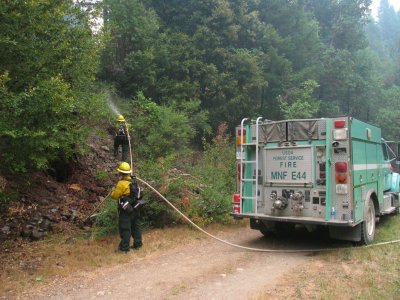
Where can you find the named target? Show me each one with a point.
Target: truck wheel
(368, 226)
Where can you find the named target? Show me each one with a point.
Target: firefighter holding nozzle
(129, 195)
(121, 138)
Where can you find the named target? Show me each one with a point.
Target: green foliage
(216, 170)
(7, 195)
(201, 188)
(159, 130)
(387, 116)
(48, 58)
(101, 174)
(341, 22)
(229, 59)
(42, 119)
(106, 221)
(389, 27)
(156, 212)
(299, 103)
(128, 58)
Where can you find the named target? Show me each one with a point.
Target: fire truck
(333, 173)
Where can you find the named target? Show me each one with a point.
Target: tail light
(341, 167)
(341, 177)
(340, 123)
(236, 204)
(340, 131)
(341, 172)
(241, 137)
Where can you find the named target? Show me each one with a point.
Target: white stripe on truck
(362, 167)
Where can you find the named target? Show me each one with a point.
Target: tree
(128, 57)
(160, 130)
(48, 59)
(387, 115)
(389, 24)
(299, 102)
(341, 22)
(219, 60)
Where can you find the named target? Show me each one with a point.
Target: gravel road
(202, 269)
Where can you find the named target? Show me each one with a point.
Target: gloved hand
(140, 202)
(125, 205)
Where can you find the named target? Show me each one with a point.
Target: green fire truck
(333, 173)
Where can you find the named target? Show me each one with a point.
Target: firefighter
(128, 196)
(121, 138)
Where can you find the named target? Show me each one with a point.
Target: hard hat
(120, 118)
(125, 168)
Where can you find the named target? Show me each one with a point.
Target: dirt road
(203, 269)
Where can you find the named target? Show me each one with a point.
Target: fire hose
(240, 246)
(251, 248)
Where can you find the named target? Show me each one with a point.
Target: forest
(180, 70)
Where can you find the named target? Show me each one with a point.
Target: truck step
(389, 210)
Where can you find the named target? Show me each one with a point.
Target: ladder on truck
(244, 162)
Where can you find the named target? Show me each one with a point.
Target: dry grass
(32, 265)
(357, 273)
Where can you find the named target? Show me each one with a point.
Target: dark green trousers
(123, 141)
(129, 227)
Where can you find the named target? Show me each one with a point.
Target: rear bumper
(297, 220)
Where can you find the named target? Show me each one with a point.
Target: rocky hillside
(43, 202)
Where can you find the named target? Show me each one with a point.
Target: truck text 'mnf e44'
(333, 172)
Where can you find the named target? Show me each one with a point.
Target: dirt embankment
(52, 201)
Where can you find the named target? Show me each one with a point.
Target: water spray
(111, 105)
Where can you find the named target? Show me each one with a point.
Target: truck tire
(368, 225)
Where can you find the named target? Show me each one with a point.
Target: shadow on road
(299, 239)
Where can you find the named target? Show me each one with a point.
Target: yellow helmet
(120, 118)
(124, 168)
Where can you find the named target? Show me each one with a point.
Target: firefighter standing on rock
(129, 196)
(121, 138)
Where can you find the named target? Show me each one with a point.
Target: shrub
(106, 222)
(159, 130)
(101, 175)
(201, 188)
(216, 169)
(7, 196)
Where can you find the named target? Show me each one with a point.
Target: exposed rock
(29, 227)
(37, 234)
(42, 200)
(50, 218)
(74, 214)
(45, 224)
(5, 230)
(27, 232)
